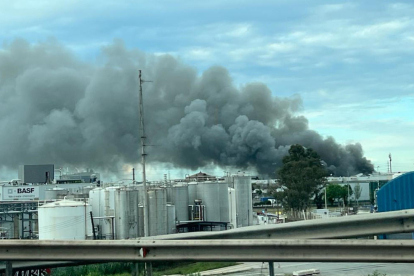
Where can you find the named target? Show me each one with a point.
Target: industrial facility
(79, 206)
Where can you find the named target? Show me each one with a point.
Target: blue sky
(351, 61)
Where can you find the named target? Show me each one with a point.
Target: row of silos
(118, 213)
(123, 206)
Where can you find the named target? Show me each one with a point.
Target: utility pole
(143, 155)
(133, 175)
(348, 188)
(390, 162)
(148, 266)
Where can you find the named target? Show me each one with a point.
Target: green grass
(193, 268)
(94, 270)
(124, 269)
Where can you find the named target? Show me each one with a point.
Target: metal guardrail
(211, 250)
(332, 228)
(239, 245)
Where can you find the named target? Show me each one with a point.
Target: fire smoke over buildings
(57, 108)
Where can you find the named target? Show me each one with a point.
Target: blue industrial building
(397, 194)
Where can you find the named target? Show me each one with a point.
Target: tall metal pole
(390, 162)
(148, 266)
(143, 155)
(348, 188)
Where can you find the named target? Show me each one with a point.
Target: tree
(347, 192)
(303, 175)
(357, 192)
(338, 192)
(334, 192)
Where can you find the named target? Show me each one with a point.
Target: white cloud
(331, 8)
(199, 54)
(242, 30)
(383, 28)
(321, 38)
(351, 60)
(19, 11)
(280, 47)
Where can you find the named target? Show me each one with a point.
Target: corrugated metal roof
(397, 194)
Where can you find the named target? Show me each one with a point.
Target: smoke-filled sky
(232, 85)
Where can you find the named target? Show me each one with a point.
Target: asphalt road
(331, 269)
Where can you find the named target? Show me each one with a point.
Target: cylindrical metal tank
(109, 212)
(141, 194)
(97, 202)
(170, 196)
(121, 216)
(171, 219)
(64, 220)
(133, 213)
(180, 200)
(243, 189)
(192, 192)
(230, 181)
(56, 193)
(157, 203)
(111, 197)
(141, 231)
(224, 202)
(210, 194)
(232, 208)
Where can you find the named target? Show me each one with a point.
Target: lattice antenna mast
(143, 156)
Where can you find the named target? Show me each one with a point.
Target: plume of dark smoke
(56, 108)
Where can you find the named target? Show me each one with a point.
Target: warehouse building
(397, 194)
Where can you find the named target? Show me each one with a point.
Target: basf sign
(20, 193)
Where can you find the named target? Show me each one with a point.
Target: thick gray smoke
(58, 109)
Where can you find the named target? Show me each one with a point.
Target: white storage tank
(133, 213)
(243, 189)
(65, 220)
(180, 200)
(169, 191)
(224, 202)
(232, 208)
(209, 193)
(97, 202)
(121, 215)
(171, 219)
(192, 192)
(109, 211)
(157, 203)
(140, 189)
(141, 230)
